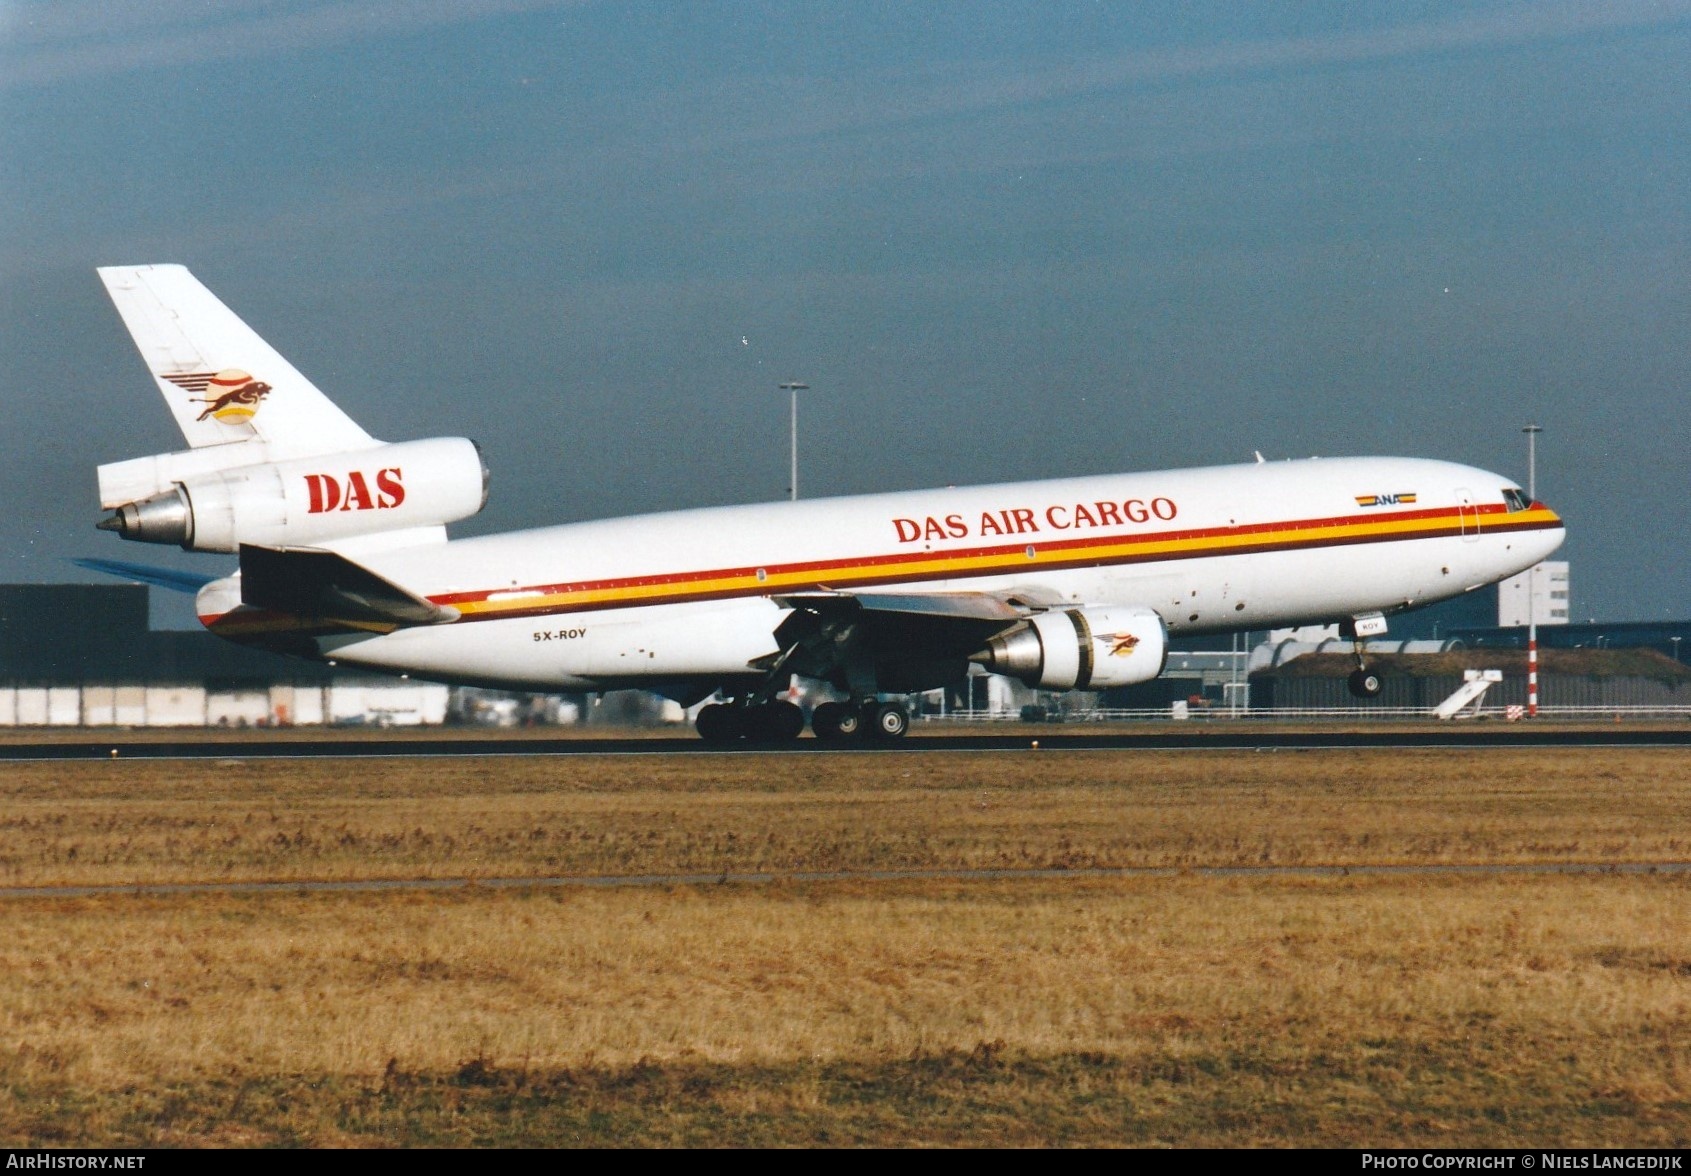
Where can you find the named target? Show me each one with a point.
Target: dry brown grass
(1426, 1010)
(1413, 1011)
(144, 822)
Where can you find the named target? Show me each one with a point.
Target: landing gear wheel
(834, 720)
(1365, 684)
(717, 723)
(886, 720)
(775, 722)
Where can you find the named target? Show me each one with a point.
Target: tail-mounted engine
(217, 498)
(1081, 649)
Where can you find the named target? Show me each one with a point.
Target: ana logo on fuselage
(1398, 499)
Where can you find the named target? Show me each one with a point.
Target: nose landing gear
(1363, 682)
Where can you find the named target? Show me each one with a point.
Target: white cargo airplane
(1074, 584)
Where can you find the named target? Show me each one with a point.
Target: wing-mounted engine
(870, 643)
(220, 497)
(1081, 648)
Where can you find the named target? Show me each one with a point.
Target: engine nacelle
(1081, 648)
(310, 500)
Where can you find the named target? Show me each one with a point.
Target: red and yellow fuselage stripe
(950, 565)
(999, 559)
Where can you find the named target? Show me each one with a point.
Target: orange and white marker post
(1532, 432)
(1532, 672)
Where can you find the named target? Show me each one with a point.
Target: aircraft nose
(1552, 530)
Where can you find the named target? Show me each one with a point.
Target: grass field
(1505, 1009)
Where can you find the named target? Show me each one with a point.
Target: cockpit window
(1515, 499)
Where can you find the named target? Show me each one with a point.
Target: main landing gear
(780, 721)
(873, 720)
(822, 649)
(769, 722)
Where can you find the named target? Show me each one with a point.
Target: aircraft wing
(323, 585)
(905, 641)
(960, 606)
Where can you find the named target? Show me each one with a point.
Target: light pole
(793, 389)
(1532, 432)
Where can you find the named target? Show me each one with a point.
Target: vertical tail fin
(222, 382)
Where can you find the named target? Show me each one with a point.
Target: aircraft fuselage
(695, 594)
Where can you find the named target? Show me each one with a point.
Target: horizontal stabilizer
(189, 582)
(310, 582)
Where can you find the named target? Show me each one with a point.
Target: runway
(1231, 737)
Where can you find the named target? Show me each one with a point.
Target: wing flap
(967, 606)
(324, 585)
(903, 641)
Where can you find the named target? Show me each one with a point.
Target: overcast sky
(999, 241)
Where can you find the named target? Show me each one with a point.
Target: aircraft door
(1468, 515)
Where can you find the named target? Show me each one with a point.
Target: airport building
(82, 655)
(1595, 680)
(1538, 595)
